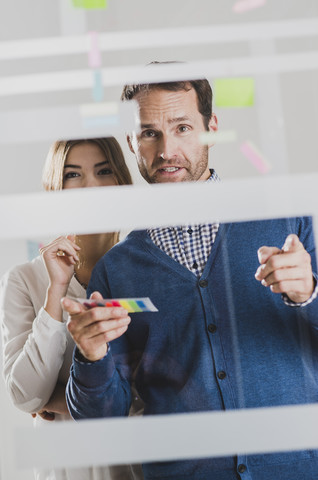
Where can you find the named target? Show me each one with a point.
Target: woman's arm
(34, 342)
(56, 404)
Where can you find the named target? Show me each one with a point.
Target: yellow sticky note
(90, 4)
(126, 305)
(234, 92)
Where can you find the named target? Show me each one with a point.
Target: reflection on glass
(237, 304)
(37, 346)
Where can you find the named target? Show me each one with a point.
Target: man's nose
(169, 147)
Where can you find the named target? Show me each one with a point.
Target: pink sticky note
(94, 55)
(255, 157)
(245, 5)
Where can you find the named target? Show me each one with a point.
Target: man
(221, 339)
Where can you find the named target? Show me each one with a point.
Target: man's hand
(287, 270)
(92, 328)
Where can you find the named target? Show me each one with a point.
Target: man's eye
(149, 133)
(105, 171)
(183, 128)
(70, 175)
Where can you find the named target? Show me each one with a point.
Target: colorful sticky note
(141, 304)
(255, 157)
(245, 5)
(94, 55)
(126, 305)
(90, 4)
(234, 92)
(98, 91)
(132, 305)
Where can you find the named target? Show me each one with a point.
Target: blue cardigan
(219, 342)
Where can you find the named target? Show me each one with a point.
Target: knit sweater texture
(219, 342)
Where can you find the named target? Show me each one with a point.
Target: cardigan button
(221, 375)
(241, 468)
(212, 328)
(203, 283)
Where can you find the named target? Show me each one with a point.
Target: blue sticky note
(98, 91)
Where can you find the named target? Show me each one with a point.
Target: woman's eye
(70, 175)
(105, 171)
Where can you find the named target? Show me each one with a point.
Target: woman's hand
(59, 257)
(56, 404)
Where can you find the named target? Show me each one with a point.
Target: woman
(37, 346)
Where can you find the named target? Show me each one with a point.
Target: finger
(66, 248)
(264, 253)
(72, 307)
(61, 250)
(284, 274)
(96, 296)
(78, 323)
(72, 237)
(105, 326)
(284, 260)
(90, 346)
(292, 244)
(116, 333)
(61, 243)
(290, 287)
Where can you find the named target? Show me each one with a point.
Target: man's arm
(97, 387)
(287, 270)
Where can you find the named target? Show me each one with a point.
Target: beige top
(37, 352)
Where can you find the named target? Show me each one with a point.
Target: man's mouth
(169, 169)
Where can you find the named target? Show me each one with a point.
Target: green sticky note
(234, 92)
(134, 306)
(90, 4)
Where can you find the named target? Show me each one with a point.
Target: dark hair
(202, 88)
(52, 177)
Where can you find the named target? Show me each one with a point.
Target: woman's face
(86, 166)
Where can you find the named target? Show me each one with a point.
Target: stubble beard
(192, 174)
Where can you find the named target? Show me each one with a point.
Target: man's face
(168, 148)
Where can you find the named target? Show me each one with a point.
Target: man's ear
(128, 137)
(213, 127)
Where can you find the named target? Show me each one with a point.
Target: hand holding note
(93, 328)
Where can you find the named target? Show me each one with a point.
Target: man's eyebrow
(170, 121)
(178, 119)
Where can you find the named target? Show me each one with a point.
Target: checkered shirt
(189, 245)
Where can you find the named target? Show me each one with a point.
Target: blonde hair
(52, 176)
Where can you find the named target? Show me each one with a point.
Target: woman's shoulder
(26, 272)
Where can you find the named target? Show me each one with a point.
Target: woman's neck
(93, 247)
